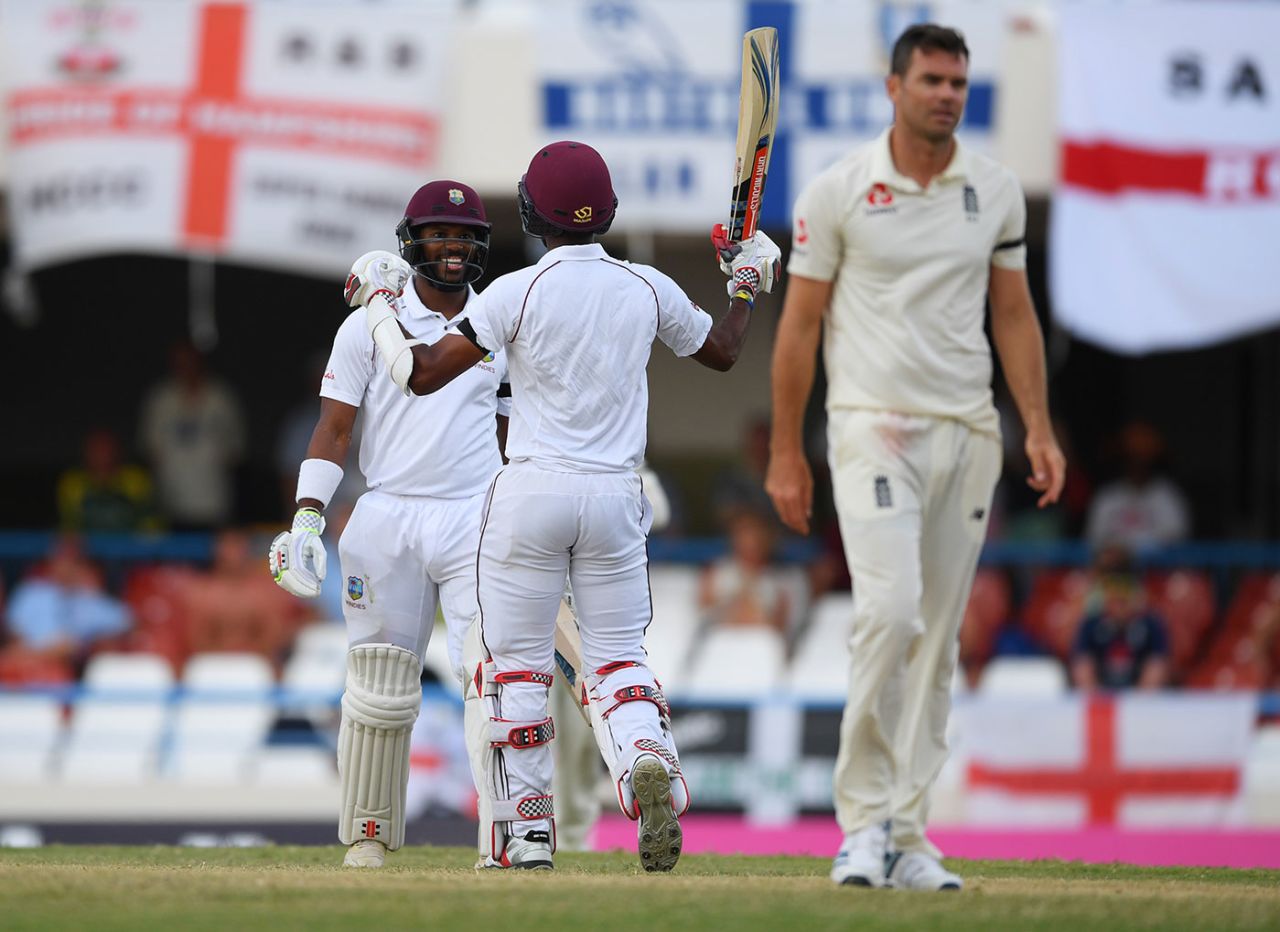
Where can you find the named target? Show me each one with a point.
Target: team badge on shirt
(355, 588)
(970, 203)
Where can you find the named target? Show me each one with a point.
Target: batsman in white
(578, 328)
(895, 249)
(410, 544)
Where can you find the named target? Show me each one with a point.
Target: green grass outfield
(64, 887)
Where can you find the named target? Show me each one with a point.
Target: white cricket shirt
(577, 328)
(445, 444)
(910, 268)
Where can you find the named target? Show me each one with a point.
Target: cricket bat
(757, 122)
(569, 658)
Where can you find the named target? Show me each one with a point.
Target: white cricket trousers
(913, 496)
(401, 556)
(538, 526)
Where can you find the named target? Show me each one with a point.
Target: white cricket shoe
(659, 837)
(532, 852)
(860, 861)
(366, 852)
(915, 870)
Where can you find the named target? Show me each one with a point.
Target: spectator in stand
(741, 487)
(1122, 644)
(237, 607)
(746, 588)
(193, 430)
(1143, 507)
(57, 617)
(104, 494)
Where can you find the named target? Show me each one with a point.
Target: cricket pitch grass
(103, 888)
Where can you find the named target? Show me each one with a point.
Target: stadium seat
(989, 607)
(736, 665)
(305, 765)
(142, 672)
(324, 640)
(1186, 601)
(157, 598)
(1054, 609)
(819, 668)
(30, 727)
(1023, 677)
(675, 623)
(225, 713)
(113, 740)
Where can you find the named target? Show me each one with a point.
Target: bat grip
(720, 239)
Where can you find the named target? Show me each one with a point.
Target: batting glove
(377, 272)
(752, 265)
(297, 559)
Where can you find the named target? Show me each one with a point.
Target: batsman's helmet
(445, 202)
(566, 190)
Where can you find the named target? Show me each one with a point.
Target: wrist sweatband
(318, 479)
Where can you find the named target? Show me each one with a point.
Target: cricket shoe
(366, 852)
(531, 853)
(659, 837)
(915, 870)
(860, 860)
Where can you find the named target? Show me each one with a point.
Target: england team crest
(355, 588)
(455, 196)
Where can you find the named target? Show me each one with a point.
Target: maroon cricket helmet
(450, 202)
(567, 189)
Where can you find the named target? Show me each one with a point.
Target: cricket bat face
(757, 121)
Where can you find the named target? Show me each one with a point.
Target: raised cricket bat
(757, 121)
(569, 657)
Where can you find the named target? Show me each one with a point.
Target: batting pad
(379, 707)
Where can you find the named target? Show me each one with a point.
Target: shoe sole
(660, 836)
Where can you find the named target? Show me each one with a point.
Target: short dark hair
(928, 37)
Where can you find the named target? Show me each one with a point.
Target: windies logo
(455, 196)
(488, 357)
(355, 588)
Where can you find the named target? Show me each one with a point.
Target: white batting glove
(297, 559)
(752, 265)
(377, 272)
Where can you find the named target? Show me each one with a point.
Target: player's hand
(377, 272)
(297, 559)
(1048, 466)
(789, 482)
(754, 264)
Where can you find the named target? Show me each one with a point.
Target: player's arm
(752, 266)
(330, 441)
(438, 364)
(1020, 344)
(503, 421)
(789, 481)
(297, 557)
(725, 338)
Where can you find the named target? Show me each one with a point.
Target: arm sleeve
(817, 237)
(491, 323)
(682, 325)
(504, 386)
(350, 367)
(1010, 251)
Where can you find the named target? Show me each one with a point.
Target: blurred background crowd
(162, 383)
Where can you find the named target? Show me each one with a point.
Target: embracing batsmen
(411, 541)
(895, 250)
(578, 328)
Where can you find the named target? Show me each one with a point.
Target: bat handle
(720, 239)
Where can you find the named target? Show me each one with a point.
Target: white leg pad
(379, 707)
(489, 737)
(630, 717)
